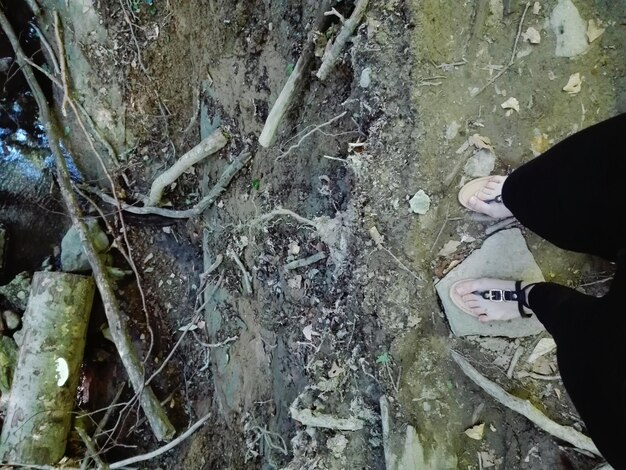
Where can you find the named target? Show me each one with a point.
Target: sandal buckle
(495, 295)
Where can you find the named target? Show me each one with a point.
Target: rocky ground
(426, 96)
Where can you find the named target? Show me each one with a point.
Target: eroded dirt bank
(418, 79)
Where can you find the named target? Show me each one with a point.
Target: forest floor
(417, 81)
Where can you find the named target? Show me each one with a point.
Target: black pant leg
(591, 353)
(574, 195)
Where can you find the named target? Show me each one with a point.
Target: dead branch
(293, 85)
(91, 450)
(208, 146)
(246, 277)
(159, 422)
(163, 449)
(279, 212)
(34, 6)
(306, 417)
(513, 54)
(386, 424)
(301, 263)
(516, 356)
(502, 224)
(227, 175)
(347, 30)
(312, 131)
(525, 408)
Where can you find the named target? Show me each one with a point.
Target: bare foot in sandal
(488, 199)
(492, 299)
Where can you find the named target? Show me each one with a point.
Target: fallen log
(46, 377)
(157, 418)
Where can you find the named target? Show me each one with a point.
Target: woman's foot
(470, 297)
(492, 192)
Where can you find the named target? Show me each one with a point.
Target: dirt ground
(418, 78)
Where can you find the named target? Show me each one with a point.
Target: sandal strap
(518, 295)
(497, 199)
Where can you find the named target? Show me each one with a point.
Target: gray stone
(420, 203)
(11, 319)
(73, 258)
(480, 164)
(16, 292)
(570, 30)
(366, 77)
(502, 256)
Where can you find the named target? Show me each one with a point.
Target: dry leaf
(309, 333)
(573, 84)
(594, 31)
(532, 36)
(449, 248)
(335, 370)
(511, 103)
(544, 346)
(480, 142)
(476, 432)
(295, 282)
(539, 143)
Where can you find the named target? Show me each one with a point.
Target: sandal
(496, 295)
(471, 188)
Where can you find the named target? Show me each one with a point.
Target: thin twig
(516, 356)
(246, 277)
(308, 134)
(163, 449)
(93, 453)
(513, 54)
(301, 263)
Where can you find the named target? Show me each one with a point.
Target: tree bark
(42, 397)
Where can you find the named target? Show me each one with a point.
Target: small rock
(452, 130)
(366, 77)
(11, 319)
(532, 36)
(476, 432)
(480, 164)
(337, 445)
(420, 203)
(73, 258)
(536, 8)
(570, 30)
(594, 31)
(16, 291)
